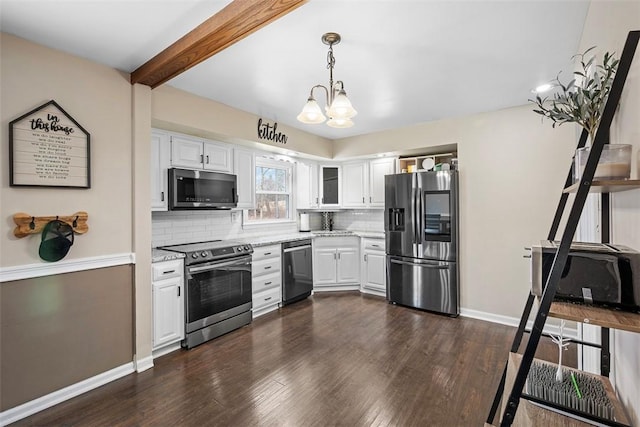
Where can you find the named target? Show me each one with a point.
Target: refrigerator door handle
(414, 212)
(418, 264)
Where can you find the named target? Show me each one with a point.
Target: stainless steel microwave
(595, 273)
(195, 189)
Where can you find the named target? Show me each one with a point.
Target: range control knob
(239, 249)
(246, 247)
(204, 254)
(194, 255)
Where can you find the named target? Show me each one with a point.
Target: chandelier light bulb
(311, 113)
(341, 107)
(340, 123)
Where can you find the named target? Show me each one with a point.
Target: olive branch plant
(582, 100)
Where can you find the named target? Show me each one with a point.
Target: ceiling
(402, 62)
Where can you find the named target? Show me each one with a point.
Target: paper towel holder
(304, 222)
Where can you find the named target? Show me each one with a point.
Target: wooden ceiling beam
(231, 24)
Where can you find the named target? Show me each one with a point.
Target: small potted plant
(582, 101)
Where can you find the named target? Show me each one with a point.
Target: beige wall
(180, 111)
(97, 97)
(512, 169)
(607, 26)
(87, 327)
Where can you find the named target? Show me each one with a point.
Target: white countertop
(159, 255)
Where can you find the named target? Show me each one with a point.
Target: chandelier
(338, 107)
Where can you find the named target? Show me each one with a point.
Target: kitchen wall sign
(270, 132)
(48, 148)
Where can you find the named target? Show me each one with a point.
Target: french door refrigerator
(421, 232)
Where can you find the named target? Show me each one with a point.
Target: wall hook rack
(28, 224)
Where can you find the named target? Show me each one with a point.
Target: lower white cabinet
(168, 302)
(266, 279)
(336, 263)
(374, 267)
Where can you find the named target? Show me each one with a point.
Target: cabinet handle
(365, 257)
(316, 200)
(168, 272)
(267, 267)
(267, 299)
(527, 249)
(201, 158)
(375, 246)
(334, 256)
(266, 253)
(370, 199)
(178, 290)
(267, 283)
(162, 196)
(207, 159)
(338, 255)
(363, 200)
(526, 256)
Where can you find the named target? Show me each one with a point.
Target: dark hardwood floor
(334, 359)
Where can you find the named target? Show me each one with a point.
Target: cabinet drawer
(166, 270)
(267, 297)
(267, 281)
(265, 266)
(373, 244)
(263, 252)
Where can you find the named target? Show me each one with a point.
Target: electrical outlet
(234, 216)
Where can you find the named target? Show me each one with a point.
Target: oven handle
(216, 265)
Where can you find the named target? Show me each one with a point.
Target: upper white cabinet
(363, 182)
(244, 166)
(378, 168)
(355, 184)
(194, 153)
(307, 185)
(160, 163)
(330, 191)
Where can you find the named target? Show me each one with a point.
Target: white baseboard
(144, 363)
(514, 321)
(19, 412)
(166, 350)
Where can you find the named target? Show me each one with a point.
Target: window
(273, 193)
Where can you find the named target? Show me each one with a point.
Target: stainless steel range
(217, 288)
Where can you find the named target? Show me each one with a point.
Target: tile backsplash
(172, 228)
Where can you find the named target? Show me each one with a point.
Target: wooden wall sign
(48, 148)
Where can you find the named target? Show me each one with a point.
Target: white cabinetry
(244, 166)
(354, 184)
(336, 263)
(168, 303)
(363, 182)
(374, 274)
(266, 276)
(195, 153)
(378, 168)
(307, 185)
(160, 163)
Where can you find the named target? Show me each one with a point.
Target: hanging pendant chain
(331, 61)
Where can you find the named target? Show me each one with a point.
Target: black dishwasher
(297, 271)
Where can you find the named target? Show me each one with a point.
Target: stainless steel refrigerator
(421, 231)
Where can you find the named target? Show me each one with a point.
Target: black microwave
(195, 189)
(595, 273)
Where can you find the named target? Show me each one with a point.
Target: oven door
(216, 291)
